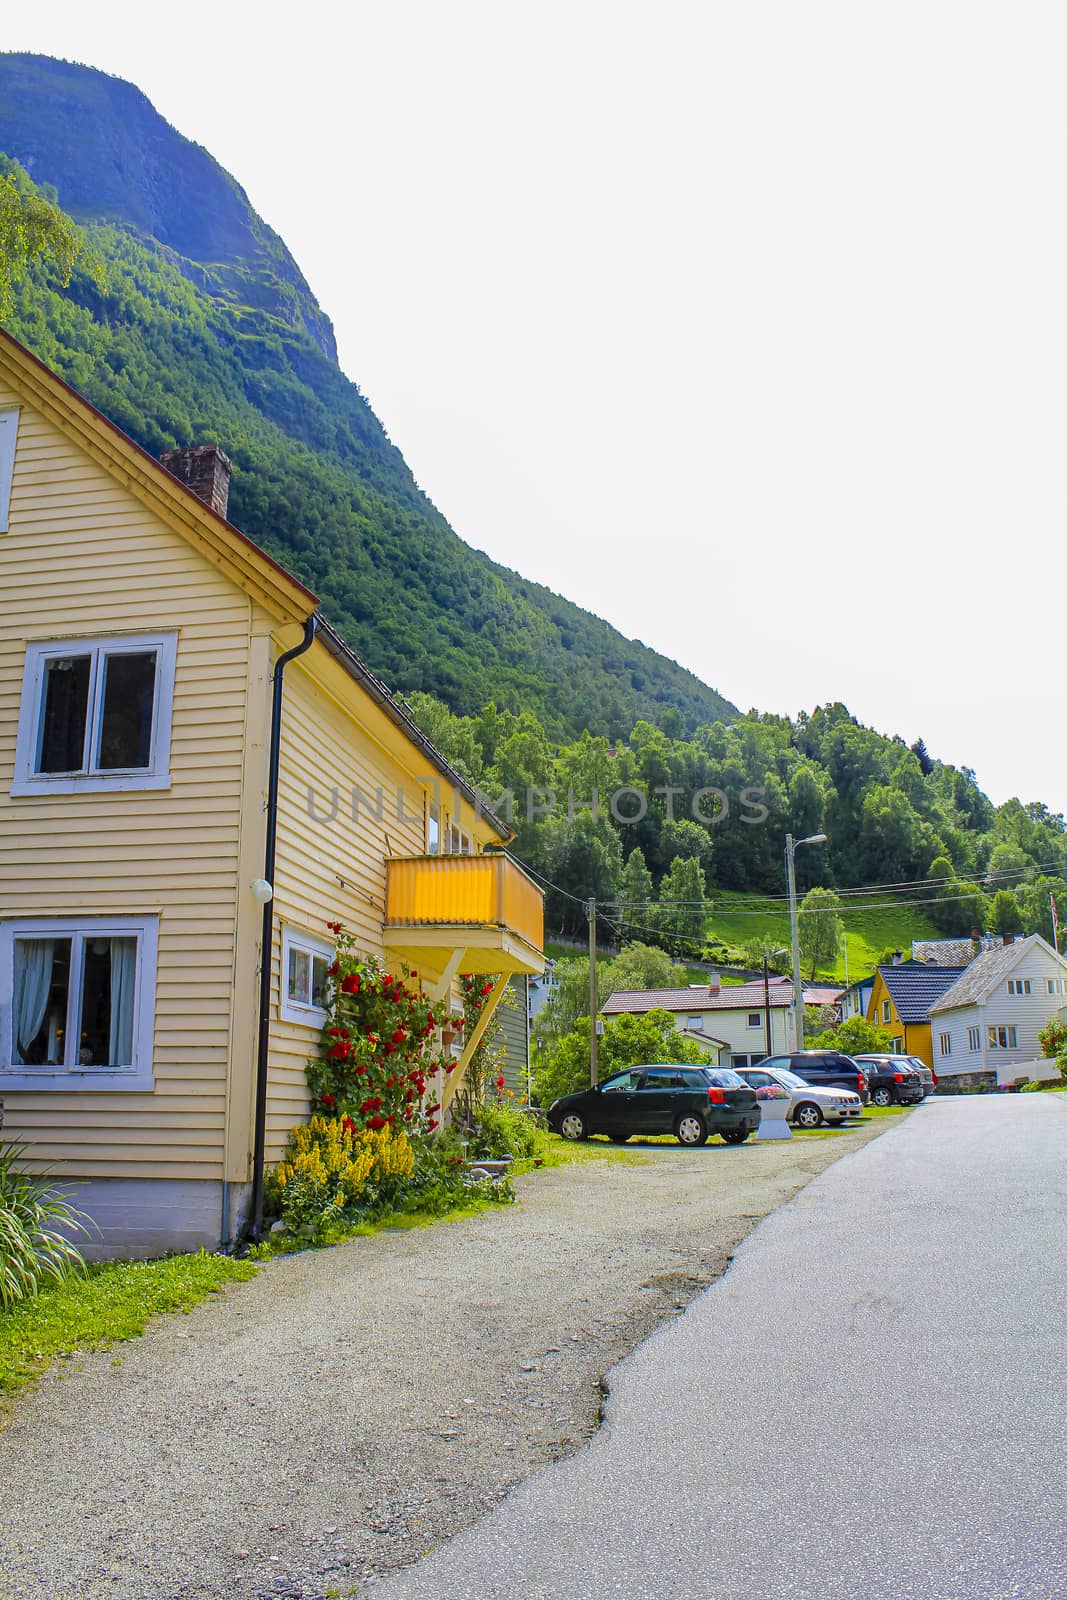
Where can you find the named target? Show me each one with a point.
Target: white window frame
(944, 1043)
(1019, 986)
(155, 776)
(754, 1019)
(887, 1011)
(1011, 1038)
(974, 1038)
(1056, 985)
(460, 842)
(9, 431)
(695, 1024)
(433, 829)
(308, 1016)
(137, 1077)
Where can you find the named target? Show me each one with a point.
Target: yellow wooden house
(195, 769)
(900, 1003)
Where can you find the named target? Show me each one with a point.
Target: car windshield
(789, 1079)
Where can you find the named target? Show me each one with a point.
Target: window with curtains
(95, 715)
(77, 1002)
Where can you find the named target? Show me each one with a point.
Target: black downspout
(263, 1047)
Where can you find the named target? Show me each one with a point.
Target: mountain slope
(210, 331)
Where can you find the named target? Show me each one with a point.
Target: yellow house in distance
(195, 770)
(900, 1003)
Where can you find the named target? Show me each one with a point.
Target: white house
(731, 1021)
(988, 1021)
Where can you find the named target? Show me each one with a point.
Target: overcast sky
(744, 326)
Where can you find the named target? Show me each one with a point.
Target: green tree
(31, 229)
(1004, 913)
(820, 928)
(637, 966)
(636, 892)
(682, 913)
(957, 907)
(855, 1037)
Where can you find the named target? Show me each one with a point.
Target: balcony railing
(467, 891)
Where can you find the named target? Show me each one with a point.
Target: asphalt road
(870, 1405)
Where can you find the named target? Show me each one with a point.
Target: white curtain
(123, 981)
(33, 980)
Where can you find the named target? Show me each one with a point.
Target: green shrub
(501, 1131)
(34, 1220)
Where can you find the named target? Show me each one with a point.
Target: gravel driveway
(349, 1409)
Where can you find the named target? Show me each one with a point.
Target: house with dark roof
(900, 1003)
(731, 1022)
(986, 1023)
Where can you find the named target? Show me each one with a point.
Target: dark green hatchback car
(690, 1102)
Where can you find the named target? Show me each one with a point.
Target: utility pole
(791, 848)
(591, 914)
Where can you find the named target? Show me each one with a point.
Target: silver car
(809, 1106)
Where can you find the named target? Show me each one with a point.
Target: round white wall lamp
(262, 891)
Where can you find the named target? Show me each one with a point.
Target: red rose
(377, 1123)
(500, 1081)
(334, 927)
(350, 985)
(488, 989)
(328, 1101)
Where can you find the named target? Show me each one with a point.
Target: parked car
(808, 1106)
(824, 1069)
(892, 1080)
(690, 1102)
(926, 1073)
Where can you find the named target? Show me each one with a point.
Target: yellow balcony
(463, 914)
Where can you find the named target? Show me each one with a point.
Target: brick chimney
(205, 469)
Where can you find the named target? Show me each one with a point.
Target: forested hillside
(210, 332)
(892, 815)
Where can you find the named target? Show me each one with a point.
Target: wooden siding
(84, 558)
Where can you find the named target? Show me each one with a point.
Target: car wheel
(737, 1135)
(881, 1097)
(618, 1138)
(572, 1126)
(690, 1129)
(807, 1115)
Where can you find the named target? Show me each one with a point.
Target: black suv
(892, 1080)
(824, 1069)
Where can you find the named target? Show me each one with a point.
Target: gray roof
(952, 952)
(913, 987)
(985, 972)
(734, 997)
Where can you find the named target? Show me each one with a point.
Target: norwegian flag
(1055, 921)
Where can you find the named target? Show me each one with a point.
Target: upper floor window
(433, 830)
(1056, 985)
(755, 1019)
(459, 841)
(96, 715)
(79, 1002)
(887, 1011)
(1018, 985)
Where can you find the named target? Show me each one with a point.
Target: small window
(755, 1019)
(95, 715)
(459, 841)
(1002, 1039)
(9, 427)
(433, 830)
(1018, 985)
(82, 1002)
(974, 1038)
(1056, 985)
(305, 964)
(887, 1011)
(695, 1024)
(944, 1042)
(897, 1046)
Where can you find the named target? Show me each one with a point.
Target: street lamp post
(791, 847)
(767, 996)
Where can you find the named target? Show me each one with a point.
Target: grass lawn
(868, 932)
(111, 1301)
